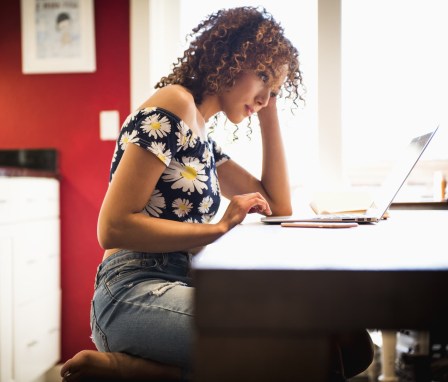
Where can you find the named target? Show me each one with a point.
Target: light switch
(109, 125)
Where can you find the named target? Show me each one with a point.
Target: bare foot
(91, 366)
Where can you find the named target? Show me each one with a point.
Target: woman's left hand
(269, 111)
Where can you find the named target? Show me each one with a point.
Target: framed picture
(58, 36)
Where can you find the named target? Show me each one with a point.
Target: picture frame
(58, 36)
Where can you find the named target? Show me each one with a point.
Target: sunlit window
(394, 81)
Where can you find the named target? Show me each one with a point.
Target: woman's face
(250, 93)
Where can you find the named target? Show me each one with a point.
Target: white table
(264, 292)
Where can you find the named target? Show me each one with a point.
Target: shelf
(429, 205)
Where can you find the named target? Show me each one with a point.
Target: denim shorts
(143, 306)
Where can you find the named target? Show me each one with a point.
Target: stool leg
(388, 354)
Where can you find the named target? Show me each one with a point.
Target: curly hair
(229, 42)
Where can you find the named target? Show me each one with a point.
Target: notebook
(393, 183)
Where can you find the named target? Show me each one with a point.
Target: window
(394, 82)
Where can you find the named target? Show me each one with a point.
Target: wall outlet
(109, 125)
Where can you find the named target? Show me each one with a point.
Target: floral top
(188, 189)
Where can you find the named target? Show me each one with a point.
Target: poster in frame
(58, 36)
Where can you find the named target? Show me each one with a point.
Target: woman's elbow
(282, 210)
(104, 239)
(106, 234)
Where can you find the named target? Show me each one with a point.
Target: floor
(53, 375)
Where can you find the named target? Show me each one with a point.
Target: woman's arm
(274, 183)
(122, 225)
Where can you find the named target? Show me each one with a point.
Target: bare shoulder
(176, 99)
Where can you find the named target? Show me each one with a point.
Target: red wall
(62, 111)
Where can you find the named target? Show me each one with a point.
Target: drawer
(36, 337)
(6, 201)
(25, 198)
(39, 198)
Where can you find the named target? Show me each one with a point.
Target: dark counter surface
(18, 171)
(29, 162)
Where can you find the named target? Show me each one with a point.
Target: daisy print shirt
(188, 189)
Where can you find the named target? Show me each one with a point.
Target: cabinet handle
(32, 343)
(3, 201)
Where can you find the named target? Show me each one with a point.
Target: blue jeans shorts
(143, 306)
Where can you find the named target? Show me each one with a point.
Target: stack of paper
(332, 202)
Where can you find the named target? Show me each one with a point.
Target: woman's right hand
(241, 205)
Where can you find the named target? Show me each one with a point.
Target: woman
(164, 192)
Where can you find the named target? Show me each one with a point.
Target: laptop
(393, 183)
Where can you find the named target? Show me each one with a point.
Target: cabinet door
(36, 337)
(51, 331)
(6, 310)
(36, 259)
(29, 278)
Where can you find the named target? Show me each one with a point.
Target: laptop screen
(400, 171)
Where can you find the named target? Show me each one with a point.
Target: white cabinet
(5, 307)
(30, 295)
